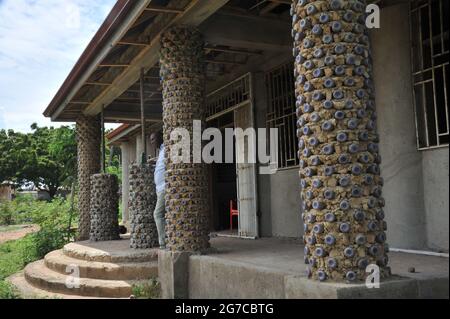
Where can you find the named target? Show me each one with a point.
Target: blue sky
(40, 41)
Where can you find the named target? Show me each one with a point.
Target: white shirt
(160, 180)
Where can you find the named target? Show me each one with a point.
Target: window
(429, 35)
(229, 97)
(281, 113)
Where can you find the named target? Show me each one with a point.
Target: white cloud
(40, 41)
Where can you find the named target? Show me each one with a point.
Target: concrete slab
(216, 278)
(109, 251)
(274, 268)
(393, 288)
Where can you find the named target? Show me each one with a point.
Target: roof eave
(114, 19)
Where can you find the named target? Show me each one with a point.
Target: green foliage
(6, 214)
(7, 291)
(113, 162)
(13, 258)
(52, 218)
(115, 171)
(46, 157)
(148, 290)
(16, 211)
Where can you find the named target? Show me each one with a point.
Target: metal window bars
(281, 114)
(229, 97)
(430, 60)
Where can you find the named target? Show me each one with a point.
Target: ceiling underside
(236, 31)
(107, 78)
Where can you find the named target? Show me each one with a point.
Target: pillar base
(143, 199)
(104, 208)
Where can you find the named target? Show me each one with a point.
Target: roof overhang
(97, 48)
(126, 17)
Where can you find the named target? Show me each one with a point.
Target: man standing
(156, 140)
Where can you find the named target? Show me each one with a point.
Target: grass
(148, 290)
(14, 255)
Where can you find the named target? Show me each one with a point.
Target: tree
(46, 157)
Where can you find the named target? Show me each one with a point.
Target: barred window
(281, 112)
(429, 35)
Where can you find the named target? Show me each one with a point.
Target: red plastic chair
(233, 212)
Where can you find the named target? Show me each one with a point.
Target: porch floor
(274, 268)
(287, 255)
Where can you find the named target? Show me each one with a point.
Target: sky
(40, 42)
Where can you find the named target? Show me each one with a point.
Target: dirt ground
(16, 232)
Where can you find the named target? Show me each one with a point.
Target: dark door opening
(223, 181)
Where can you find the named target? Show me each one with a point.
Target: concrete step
(62, 264)
(28, 291)
(117, 251)
(39, 276)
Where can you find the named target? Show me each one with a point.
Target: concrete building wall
(402, 164)
(285, 204)
(264, 187)
(416, 182)
(279, 192)
(436, 195)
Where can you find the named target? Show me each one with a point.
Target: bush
(53, 220)
(17, 211)
(14, 255)
(7, 216)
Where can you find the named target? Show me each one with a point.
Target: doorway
(232, 107)
(223, 182)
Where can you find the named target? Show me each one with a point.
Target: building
(6, 191)
(128, 72)
(415, 165)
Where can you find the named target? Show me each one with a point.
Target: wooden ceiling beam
(239, 31)
(113, 65)
(162, 9)
(127, 42)
(98, 83)
(235, 51)
(194, 14)
(224, 62)
(207, 48)
(79, 102)
(269, 7)
(239, 12)
(272, 2)
(289, 2)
